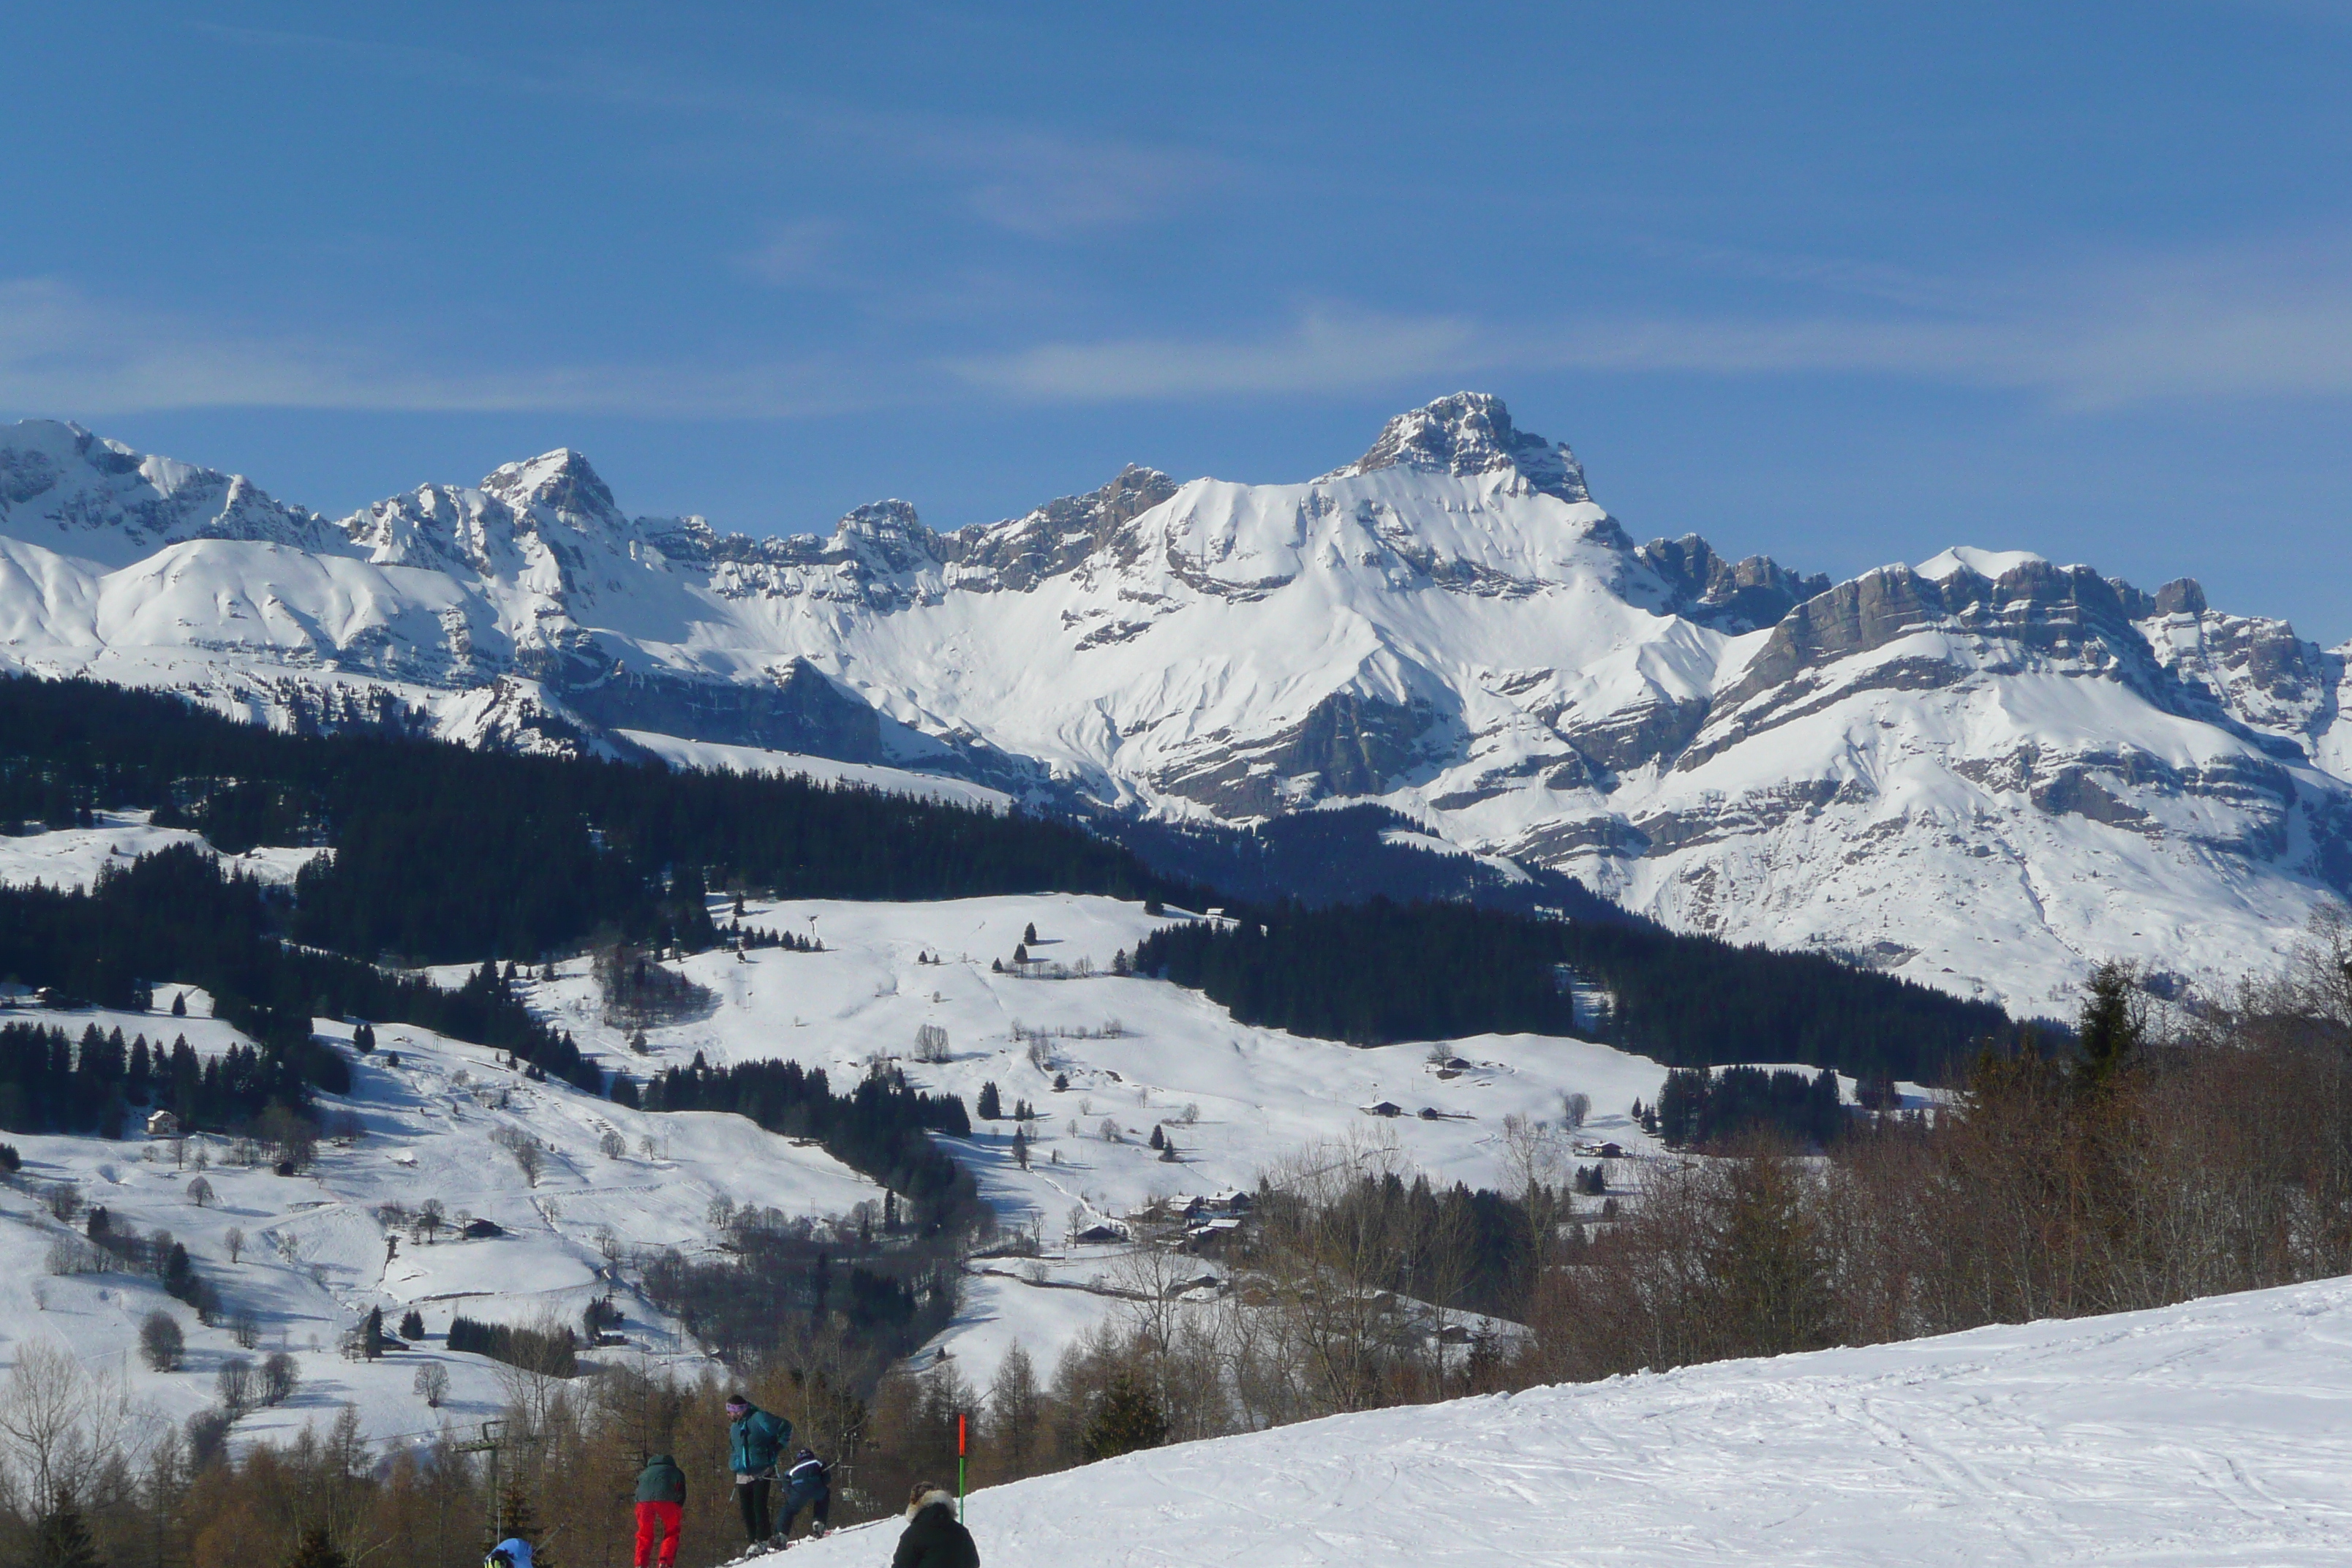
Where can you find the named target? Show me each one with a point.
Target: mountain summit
(1982, 772)
(1471, 432)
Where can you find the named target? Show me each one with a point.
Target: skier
(661, 1510)
(807, 1486)
(933, 1538)
(514, 1551)
(755, 1440)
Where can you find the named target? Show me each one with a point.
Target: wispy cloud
(61, 352)
(1030, 181)
(811, 251)
(1323, 352)
(2265, 323)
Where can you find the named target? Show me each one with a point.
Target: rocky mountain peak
(1471, 432)
(561, 481)
(1731, 596)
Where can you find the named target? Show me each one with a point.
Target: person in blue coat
(807, 1485)
(514, 1551)
(755, 1441)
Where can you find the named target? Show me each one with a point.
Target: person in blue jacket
(755, 1441)
(514, 1551)
(808, 1484)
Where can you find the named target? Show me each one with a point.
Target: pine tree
(180, 1005)
(1021, 1148)
(317, 1550)
(62, 1540)
(1126, 1418)
(1158, 1136)
(412, 1325)
(1030, 932)
(372, 1333)
(2112, 1025)
(992, 1106)
(518, 1521)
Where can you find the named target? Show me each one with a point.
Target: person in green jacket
(755, 1441)
(661, 1510)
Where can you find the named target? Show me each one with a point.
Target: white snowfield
(314, 1258)
(1985, 774)
(73, 856)
(2214, 1434)
(1235, 1101)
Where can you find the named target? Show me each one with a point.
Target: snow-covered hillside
(1136, 1055)
(313, 1256)
(1235, 1101)
(1984, 771)
(2208, 1433)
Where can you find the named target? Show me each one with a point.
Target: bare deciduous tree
(529, 1157)
(59, 1419)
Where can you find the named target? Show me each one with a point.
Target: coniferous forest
(1448, 970)
(442, 854)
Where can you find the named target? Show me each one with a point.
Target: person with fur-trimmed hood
(933, 1538)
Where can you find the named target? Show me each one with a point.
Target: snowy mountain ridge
(1985, 772)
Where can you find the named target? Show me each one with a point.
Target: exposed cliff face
(1982, 771)
(1730, 596)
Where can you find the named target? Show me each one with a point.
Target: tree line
(50, 1084)
(2169, 1154)
(880, 1127)
(1449, 969)
(1699, 1108)
(443, 854)
(186, 915)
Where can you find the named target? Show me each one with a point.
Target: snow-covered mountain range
(1984, 771)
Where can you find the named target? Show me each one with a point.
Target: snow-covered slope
(2209, 1434)
(314, 1258)
(1985, 772)
(1135, 1053)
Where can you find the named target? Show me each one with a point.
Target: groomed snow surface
(2211, 1434)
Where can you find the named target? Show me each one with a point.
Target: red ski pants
(658, 1522)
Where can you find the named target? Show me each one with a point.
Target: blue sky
(1841, 284)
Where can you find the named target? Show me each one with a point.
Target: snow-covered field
(719, 757)
(1233, 1101)
(1232, 1098)
(73, 856)
(314, 1258)
(2209, 1434)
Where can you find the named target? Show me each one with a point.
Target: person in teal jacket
(755, 1441)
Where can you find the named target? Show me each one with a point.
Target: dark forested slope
(1382, 972)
